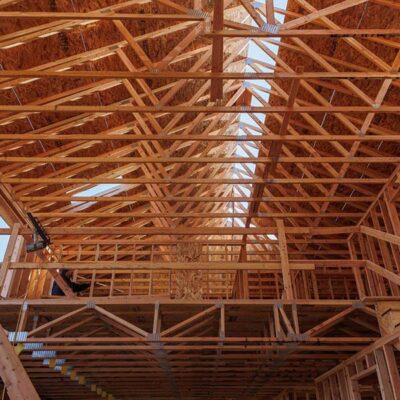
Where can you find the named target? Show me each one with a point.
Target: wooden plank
(199, 109)
(304, 33)
(114, 230)
(330, 322)
(201, 75)
(7, 15)
(205, 138)
(189, 321)
(154, 265)
(383, 375)
(201, 160)
(391, 276)
(13, 374)
(387, 237)
(61, 283)
(392, 370)
(287, 280)
(120, 321)
(270, 11)
(56, 321)
(217, 57)
(8, 254)
(194, 215)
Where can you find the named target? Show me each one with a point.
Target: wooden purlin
(199, 109)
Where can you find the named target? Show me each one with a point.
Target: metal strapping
(20, 336)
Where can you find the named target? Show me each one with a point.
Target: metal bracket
(91, 305)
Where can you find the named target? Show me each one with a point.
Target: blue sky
(3, 239)
(255, 53)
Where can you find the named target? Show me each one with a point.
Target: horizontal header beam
(93, 16)
(202, 138)
(219, 231)
(198, 75)
(151, 265)
(209, 199)
(200, 160)
(204, 215)
(199, 109)
(315, 33)
(195, 181)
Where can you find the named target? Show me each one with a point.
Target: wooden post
(8, 254)
(216, 91)
(392, 369)
(356, 270)
(157, 318)
(13, 374)
(383, 376)
(23, 320)
(287, 281)
(11, 274)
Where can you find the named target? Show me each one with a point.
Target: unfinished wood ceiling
(132, 126)
(223, 171)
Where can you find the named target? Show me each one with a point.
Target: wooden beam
(383, 375)
(114, 230)
(153, 265)
(184, 199)
(61, 283)
(188, 321)
(8, 254)
(97, 16)
(195, 181)
(206, 242)
(285, 266)
(392, 370)
(16, 380)
(194, 215)
(385, 236)
(217, 181)
(56, 321)
(386, 109)
(391, 276)
(217, 57)
(201, 160)
(120, 321)
(270, 11)
(201, 75)
(306, 33)
(202, 138)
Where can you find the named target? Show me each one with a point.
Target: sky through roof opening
(103, 189)
(3, 239)
(258, 60)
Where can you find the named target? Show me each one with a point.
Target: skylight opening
(3, 239)
(97, 190)
(256, 58)
(102, 189)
